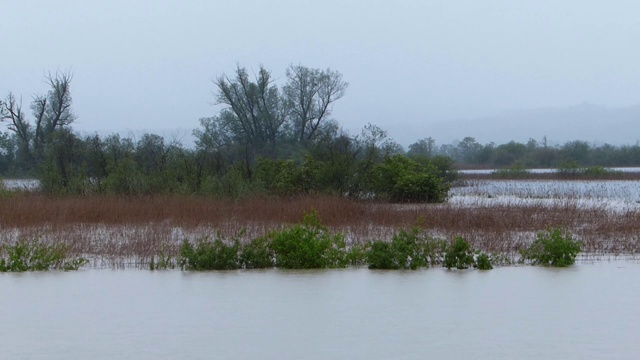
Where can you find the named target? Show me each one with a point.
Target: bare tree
(51, 112)
(255, 111)
(309, 94)
(11, 111)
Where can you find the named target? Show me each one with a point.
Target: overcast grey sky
(143, 64)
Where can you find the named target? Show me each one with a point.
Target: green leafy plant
(308, 246)
(357, 255)
(257, 254)
(407, 250)
(459, 255)
(401, 179)
(35, 255)
(209, 255)
(553, 247)
(483, 262)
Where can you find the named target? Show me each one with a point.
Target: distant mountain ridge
(588, 122)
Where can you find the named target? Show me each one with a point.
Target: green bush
(553, 247)
(209, 255)
(459, 255)
(35, 255)
(282, 177)
(357, 255)
(483, 262)
(407, 250)
(257, 254)
(308, 246)
(401, 179)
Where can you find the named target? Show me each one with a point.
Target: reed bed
(128, 231)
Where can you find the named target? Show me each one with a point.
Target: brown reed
(132, 229)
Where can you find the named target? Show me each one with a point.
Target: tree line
(267, 139)
(532, 154)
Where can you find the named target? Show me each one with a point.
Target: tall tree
(51, 112)
(309, 95)
(254, 113)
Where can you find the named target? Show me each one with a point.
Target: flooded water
(21, 184)
(589, 311)
(608, 194)
(544, 171)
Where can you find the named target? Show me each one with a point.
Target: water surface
(589, 311)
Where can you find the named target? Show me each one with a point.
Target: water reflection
(587, 311)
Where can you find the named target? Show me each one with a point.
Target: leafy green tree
(423, 148)
(509, 153)
(469, 150)
(401, 179)
(577, 151)
(64, 169)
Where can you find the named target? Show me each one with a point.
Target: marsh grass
(131, 231)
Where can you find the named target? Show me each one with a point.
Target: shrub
(308, 246)
(357, 255)
(407, 250)
(401, 179)
(483, 262)
(257, 254)
(34, 255)
(553, 247)
(209, 255)
(381, 255)
(281, 177)
(459, 255)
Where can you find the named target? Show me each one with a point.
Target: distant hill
(588, 122)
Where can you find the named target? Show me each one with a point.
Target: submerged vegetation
(35, 255)
(148, 231)
(553, 247)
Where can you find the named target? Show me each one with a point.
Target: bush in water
(308, 246)
(257, 255)
(34, 255)
(209, 255)
(483, 262)
(407, 250)
(553, 247)
(459, 255)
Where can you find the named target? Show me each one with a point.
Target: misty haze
(315, 180)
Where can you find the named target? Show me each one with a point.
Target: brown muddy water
(588, 311)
